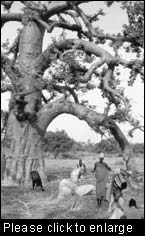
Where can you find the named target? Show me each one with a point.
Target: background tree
(65, 68)
(108, 146)
(58, 143)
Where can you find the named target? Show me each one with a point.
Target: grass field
(22, 204)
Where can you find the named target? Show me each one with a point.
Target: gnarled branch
(52, 24)
(106, 79)
(88, 47)
(33, 6)
(86, 21)
(14, 47)
(77, 22)
(93, 119)
(56, 7)
(91, 70)
(7, 64)
(62, 89)
(6, 17)
(130, 132)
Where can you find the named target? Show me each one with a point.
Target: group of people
(110, 190)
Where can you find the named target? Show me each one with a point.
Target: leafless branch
(56, 7)
(107, 109)
(91, 70)
(130, 132)
(85, 20)
(74, 15)
(63, 89)
(95, 16)
(52, 24)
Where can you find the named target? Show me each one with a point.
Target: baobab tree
(65, 69)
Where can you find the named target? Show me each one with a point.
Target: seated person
(82, 166)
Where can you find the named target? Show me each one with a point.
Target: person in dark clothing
(133, 211)
(132, 203)
(20, 109)
(36, 180)
(101, 170)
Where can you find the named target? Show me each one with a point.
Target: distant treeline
(60, 144)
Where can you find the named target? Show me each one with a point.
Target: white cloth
(117, 213)
(117, 171)
(84, 189)
(74, 176)
(66, 187)
(101, 155)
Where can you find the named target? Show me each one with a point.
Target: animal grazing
(36, 180)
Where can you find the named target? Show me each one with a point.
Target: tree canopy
(72, 63)
(58, 143)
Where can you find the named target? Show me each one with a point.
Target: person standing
(101, 170)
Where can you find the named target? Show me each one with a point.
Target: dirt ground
(29, 204)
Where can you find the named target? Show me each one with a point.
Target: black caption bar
(79, 227)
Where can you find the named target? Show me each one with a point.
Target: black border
(138, 224)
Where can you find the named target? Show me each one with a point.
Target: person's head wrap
(101, 155)
(116, 170)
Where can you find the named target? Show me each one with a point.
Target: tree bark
(23, 152)
(22, 148)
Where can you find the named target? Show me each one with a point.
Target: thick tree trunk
(23, 152)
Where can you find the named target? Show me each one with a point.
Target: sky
(77, 129)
